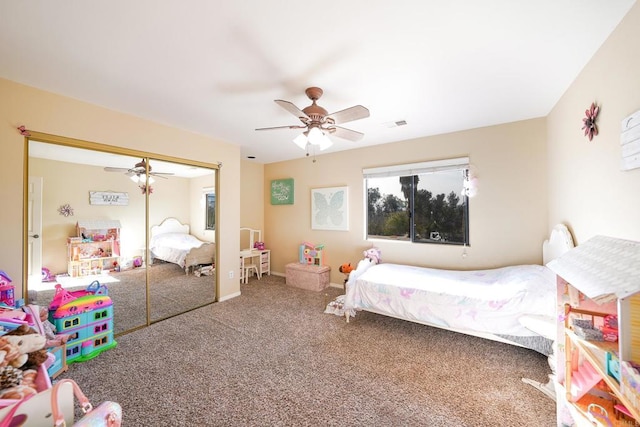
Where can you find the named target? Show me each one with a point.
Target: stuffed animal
(10, 377)
(9, 353)
(373, 254)
(345, 269)
(18, 392)
(16, 383)
(30, 344)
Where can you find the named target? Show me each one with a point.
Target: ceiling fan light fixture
(319, 123)
(325, 142)
(315, 136)
(319, 138)
(139, 179)
(301, 141)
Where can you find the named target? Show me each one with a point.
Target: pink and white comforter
(173, 247)
(487, 301)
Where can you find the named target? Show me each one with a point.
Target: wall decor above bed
(330, 208)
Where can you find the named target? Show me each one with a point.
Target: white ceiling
(215, 67)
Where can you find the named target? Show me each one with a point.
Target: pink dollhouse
(6, 289)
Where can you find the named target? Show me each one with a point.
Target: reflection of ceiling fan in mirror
(138, 171)
(319, 123)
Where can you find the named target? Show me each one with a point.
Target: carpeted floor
(170, 292)
(271, 357)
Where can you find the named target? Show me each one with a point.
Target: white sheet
(173, 247)
(488, 301)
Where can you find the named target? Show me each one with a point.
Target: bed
(499, 304)
(171, 242)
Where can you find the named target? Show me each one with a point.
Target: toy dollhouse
(311, 254)
(598, 361)
(87, 317)
(6, 289)
(96, 247)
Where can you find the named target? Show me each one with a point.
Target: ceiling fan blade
(290, 107)
(284, 127)
(356, 112)
(163, 175)
(345, 133)
(110, 169)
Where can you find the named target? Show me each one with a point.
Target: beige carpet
(271, 357)
(170, 292)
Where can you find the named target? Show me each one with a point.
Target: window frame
(417, 169)
(209, 210)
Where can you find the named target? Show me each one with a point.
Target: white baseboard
(332, 285)
(227, 297)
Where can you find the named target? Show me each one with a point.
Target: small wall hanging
(65, 210)
(282, 191)
(589, 122)
(108, 198)
(144, 188)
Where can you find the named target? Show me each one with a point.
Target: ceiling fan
(138, 171)
(319, 123)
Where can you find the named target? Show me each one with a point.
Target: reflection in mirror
(89, 216)
(181, 238)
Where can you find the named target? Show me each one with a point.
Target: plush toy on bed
(345, 269)
(373, 254)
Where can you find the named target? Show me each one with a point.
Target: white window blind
(410, 169)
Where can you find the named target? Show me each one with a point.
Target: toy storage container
(311, 277)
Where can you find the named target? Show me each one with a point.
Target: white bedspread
(173, 247)
(488, 301)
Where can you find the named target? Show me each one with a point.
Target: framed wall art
(108, 198)
(330, 208)
(282, 191)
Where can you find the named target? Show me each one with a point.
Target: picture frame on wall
(330, 208)
(282, 191)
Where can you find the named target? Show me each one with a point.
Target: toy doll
(53, 339)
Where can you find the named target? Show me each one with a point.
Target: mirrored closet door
(181, 239)
(90, 216)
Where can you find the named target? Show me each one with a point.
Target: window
(419, 202)
(210, 211)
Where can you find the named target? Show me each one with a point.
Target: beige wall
(58, 115)
(508, 217)
(587, 189)
(252, 188)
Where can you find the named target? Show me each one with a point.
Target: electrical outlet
(231, 274)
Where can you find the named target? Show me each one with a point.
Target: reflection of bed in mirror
(171, 241)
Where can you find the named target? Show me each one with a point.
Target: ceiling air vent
(395, 124)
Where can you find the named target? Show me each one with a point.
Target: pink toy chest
(311, 277)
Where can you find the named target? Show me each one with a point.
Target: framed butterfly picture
(330, 208)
